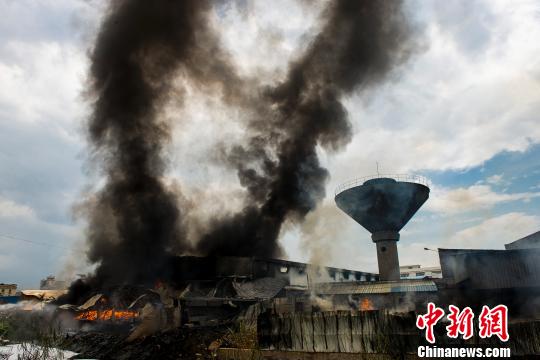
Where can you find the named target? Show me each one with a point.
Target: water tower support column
(387, 254)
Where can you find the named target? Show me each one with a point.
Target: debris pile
(183, 343)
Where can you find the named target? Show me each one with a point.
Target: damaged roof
(91, 302)
(45, 295)
(264, 288)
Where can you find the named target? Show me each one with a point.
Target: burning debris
(109, 314)
(98, 308)
(366, 305)
(275, 301)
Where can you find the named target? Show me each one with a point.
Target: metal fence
(375, 332)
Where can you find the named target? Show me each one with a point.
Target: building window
(332, 274)
(420, 273)
(283, 269)
(404, 275)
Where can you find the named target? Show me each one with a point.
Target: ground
(181, 343)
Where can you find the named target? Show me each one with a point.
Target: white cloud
(259, 36)
(472, 198)
(42, 82)
(493, 233)
(451, 108)
(10, 209)
(40, 113)
(495, 179)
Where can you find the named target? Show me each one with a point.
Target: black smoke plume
(361, 41)
(135, 219)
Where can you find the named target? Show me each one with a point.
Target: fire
(366, 304)
(88, 315)
(109, 314)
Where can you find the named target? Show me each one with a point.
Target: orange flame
(109, 314)
(366, 305)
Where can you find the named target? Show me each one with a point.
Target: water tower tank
(383, 205)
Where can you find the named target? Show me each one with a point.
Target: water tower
(383, 204)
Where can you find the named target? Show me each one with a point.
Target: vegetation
(243, 337)
(4, 329)
(35, 334)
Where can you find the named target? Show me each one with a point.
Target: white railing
(419, 179)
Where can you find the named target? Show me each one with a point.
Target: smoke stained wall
(359, 45)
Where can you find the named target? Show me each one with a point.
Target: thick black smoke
(135, 219)
(361, 41)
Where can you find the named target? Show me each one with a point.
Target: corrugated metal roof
(264, 288)
(91, 302)
(44, 294)
(379, 287)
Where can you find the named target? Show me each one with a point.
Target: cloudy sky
(463, 112)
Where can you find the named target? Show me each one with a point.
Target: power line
(11, 237)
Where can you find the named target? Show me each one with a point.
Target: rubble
(180, 343)
(249, 305)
